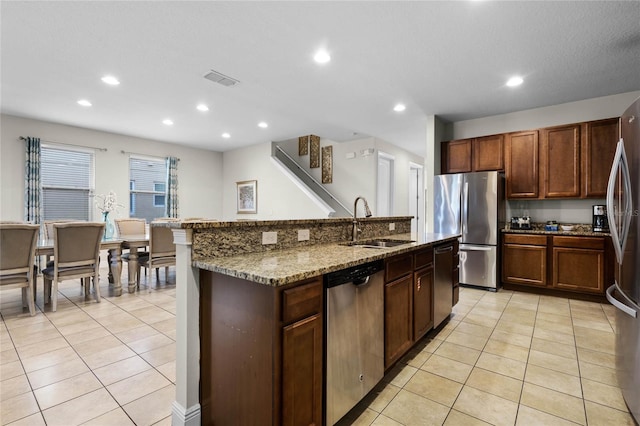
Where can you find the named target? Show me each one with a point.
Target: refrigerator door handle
(618, 304)
(619, 230)
(474, 248)
(465, 207)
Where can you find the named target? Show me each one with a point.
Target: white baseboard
(185, 417)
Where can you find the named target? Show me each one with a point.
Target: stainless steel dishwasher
(355, 336)
(442, 283)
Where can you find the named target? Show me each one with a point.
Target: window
(158, 200)
(147, 187)
(67, 183)
(132, 198)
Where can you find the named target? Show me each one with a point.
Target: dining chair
(76, 254)
(18, 243)
(129, 227)
(162, 251)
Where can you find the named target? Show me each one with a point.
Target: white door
(385, 185)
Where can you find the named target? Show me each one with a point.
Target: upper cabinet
(560, 161)
(598, 148)
(521, 164)
(473, 155)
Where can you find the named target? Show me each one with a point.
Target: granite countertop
(281, 267)
(578, 231)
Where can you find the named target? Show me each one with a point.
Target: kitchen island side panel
(237, 351)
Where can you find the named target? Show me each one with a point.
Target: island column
(186, 408)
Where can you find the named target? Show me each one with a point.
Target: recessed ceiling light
(322, 56)
(399, 108)
(202, 107)
(84, 103)
(111, 80)
(263, 125)
(226, 135)
(167, 122)
(515, 81)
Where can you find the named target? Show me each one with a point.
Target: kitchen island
(250, 323)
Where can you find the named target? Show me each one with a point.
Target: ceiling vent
(219, 78)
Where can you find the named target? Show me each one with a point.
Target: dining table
(114, 247)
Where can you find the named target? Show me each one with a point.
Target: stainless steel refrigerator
(472, 204)
(623, 209)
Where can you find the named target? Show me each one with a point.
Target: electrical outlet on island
(392, 226)
(270, 237)
(303, 235)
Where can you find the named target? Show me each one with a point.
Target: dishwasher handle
(440, 250)
(361, 281)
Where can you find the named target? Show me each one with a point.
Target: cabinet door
(398, 314)
(599, 147)
(488, 153)
(422, 302)
(521, 164)
(560, 161)
(302, 372)
(524, 264)
(456, 156)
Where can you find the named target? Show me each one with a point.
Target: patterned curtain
(32, 189)
(172, 187)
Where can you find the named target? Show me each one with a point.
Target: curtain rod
(139, 153)
(22, 138)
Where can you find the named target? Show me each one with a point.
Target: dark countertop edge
(212, 223)
(367, 255)
(560, 232)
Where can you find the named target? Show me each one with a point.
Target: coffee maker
(600, 222)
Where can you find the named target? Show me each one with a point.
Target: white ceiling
(450, 59)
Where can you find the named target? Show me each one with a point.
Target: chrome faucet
(367, 213)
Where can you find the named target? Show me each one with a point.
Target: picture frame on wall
(247, 196)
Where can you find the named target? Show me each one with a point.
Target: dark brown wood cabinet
(455, 156)
(260, 347)
(473, 155)
(560, 161)
(598, 148)
(579, 264)
(422, 302)
(524, 260)
(571, 266)
(521, 165)
(398, 318)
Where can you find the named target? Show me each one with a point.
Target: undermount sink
(378, 243)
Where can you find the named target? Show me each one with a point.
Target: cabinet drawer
(423, 258)
(302, 301)
(595, 243)
(398, 266)
(528, 239)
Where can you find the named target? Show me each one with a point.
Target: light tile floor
(503, 358)
(108, 363)
(506, 358)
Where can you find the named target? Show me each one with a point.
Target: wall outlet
(350, 155)
(392, 226)
(303, 235)
(270, 237)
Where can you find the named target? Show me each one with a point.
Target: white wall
(564, 211)
(572, 112)
(279, 198)
(199, 171)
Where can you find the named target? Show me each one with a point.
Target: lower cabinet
(578, 264)
(575, 264)
(261, 352)
(398, 319)
(408, 302)
(524, 259)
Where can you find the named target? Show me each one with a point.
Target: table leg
(110, 262)
(115, 269)
(133, 269)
